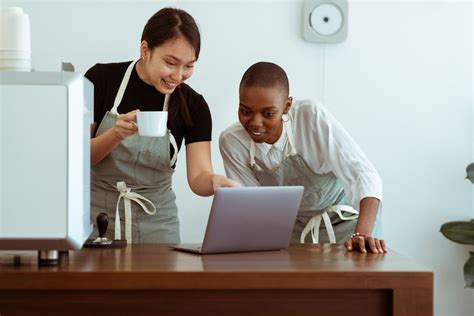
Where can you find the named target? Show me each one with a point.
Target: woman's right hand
(126, 125)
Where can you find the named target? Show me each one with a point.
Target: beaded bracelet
(359, 235)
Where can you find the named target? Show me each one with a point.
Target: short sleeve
(96, 75)
(201, 130)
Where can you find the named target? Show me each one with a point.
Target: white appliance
(45, 122)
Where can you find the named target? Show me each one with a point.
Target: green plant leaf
(460, 232)
(470, 172)
(469, 271)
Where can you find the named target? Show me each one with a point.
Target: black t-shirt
(139, 95)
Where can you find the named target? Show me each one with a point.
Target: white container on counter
(15, 42)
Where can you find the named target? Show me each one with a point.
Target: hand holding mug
(125, 125)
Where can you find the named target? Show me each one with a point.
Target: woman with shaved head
(279, 141)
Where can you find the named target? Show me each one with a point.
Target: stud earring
(285, 117)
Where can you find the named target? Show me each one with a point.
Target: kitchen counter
(156, 280)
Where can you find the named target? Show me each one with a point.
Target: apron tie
(315, 221)
(128, 196)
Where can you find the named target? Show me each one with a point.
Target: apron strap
(289, 135)
(315, 221)
(175, 146)
(252, 153)
(123, 86)
(172, 139)
(166, 102)
(129, 196)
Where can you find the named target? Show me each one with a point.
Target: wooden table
(155, 280)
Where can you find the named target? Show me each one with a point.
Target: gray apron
(323, 196)
(138, 172)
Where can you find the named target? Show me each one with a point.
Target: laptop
(249, 219)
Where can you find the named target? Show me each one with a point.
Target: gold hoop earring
(285, 117)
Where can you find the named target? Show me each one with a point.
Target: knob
(102, 223)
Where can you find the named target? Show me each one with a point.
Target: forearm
(367, 215)
(202, 183)
(102, 145)
(202, 180)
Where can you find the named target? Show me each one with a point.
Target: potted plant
(463, 232)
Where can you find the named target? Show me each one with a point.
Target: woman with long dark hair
(136, 169)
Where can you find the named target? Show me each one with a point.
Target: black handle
(102, 223)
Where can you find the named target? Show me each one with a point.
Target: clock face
(326, 19)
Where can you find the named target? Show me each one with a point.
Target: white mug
(152, 123)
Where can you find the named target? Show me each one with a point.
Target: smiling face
(261, 110)
(168, 65)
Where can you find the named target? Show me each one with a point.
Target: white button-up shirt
(322, 142)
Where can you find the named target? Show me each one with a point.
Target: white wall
(401, 84)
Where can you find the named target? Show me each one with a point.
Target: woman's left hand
(221, 181)
(365, 243)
